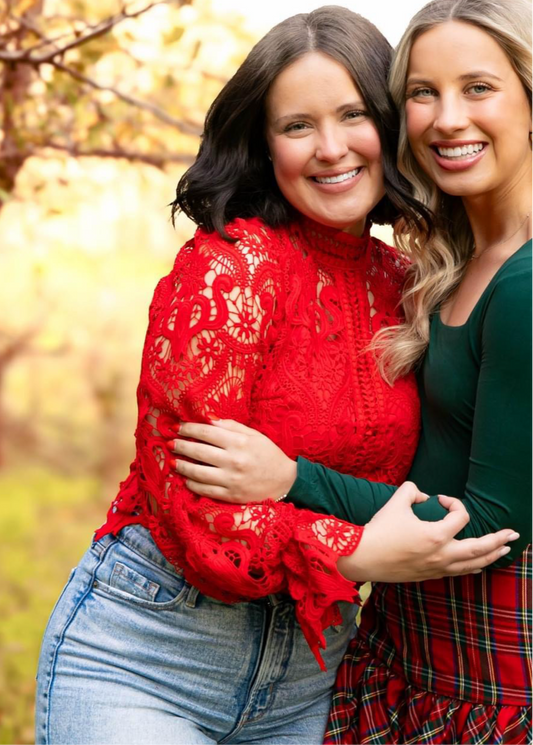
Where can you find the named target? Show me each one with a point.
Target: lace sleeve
(212, 320)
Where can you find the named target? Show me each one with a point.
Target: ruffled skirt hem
(373, 705)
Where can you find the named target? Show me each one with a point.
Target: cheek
(510, 131)
(289, 159)
(367, 143)
(418, 118)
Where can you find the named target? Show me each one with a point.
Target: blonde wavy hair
(440, 257)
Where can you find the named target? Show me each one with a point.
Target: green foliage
(79, 99)
(84, 241)
(46, 522)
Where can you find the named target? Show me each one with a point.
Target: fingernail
(513, 536)
(477, 571)
(177, 427)
(172, 463)
(505, 550)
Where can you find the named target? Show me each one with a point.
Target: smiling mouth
(337, 179)
(462, 152)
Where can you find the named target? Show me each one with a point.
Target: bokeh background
(101, 108)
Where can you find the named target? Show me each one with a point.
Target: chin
(463, 189)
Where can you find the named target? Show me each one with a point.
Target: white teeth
(337, 179)
(459, 152)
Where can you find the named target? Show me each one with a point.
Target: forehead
(453, 46)
(312, 80)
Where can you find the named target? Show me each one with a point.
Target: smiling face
(468, 116)
(325, 149)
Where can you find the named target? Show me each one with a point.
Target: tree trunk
(15, 80)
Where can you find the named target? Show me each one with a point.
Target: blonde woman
(188, 621)
(443, 661)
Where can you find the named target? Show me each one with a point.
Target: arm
(498, 488)
(209, 329)
(395, 546)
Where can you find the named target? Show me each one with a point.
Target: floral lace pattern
(270, 330)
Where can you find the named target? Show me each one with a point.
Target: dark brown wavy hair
(232, 175)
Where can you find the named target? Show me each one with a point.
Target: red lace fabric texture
(271, 331)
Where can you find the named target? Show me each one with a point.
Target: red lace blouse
(271, 331)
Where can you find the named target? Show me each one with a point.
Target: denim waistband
(139, 539)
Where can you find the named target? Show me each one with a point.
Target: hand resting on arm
(238, 464)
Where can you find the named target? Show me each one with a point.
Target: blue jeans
(134, 654)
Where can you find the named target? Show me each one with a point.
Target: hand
(243, 464)
(398, 547)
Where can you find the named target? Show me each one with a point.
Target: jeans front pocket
(133, 570)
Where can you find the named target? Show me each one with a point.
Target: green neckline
(485, 291)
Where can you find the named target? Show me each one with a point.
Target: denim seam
(270, 618)
(159, 567)
(152, 605)
(102, 552)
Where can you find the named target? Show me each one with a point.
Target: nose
(331, 146)
(451, 115)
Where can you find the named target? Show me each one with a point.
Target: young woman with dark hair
(445, 661)
(191, 621)
(233, 176)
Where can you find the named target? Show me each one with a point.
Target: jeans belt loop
(192, 597)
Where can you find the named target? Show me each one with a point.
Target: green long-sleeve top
(475, 392)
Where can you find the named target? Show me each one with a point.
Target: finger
(405, 495)
(471, 548)
(448, 502)
(476, 553)
(206, 433)
(215, 456)
(476, 565)
(455, 520)
(232, 426)
(202, 474)
(207, 490)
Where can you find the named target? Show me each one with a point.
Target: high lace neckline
(332, 240)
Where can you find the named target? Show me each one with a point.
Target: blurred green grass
(46, 523)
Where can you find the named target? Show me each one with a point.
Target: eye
(422, 92)
(479, 88)
(296, 127)
(355, 114)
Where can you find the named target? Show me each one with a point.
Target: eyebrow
(338, 110)
(467, 76)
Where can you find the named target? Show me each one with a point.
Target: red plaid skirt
(440, 662)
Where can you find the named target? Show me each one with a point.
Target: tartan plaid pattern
(440, 662)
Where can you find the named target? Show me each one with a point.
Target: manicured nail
(505, 550)
(176, 427)
(513, 536)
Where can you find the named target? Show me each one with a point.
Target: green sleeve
(498, 489)
(355, 500)
(323, 490)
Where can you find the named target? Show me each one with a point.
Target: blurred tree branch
(60, 54)
(183, 126)
(88, 33)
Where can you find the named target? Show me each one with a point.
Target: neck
(498, 218)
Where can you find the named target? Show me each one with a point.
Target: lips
(458, 155)
(336, 178)
(460, 151)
